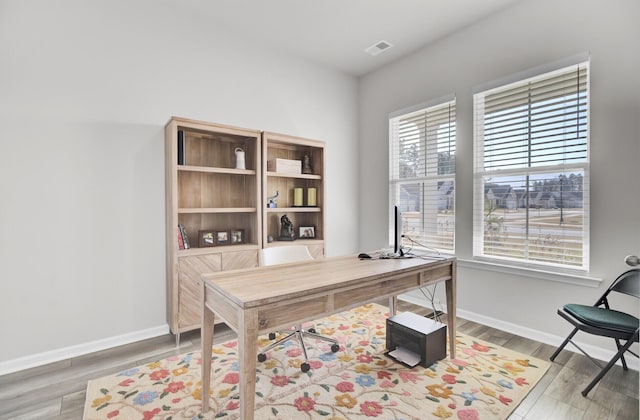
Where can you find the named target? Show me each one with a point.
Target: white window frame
(481, 173)
(424, 230)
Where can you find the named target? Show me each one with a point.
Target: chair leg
(280, 341)
(299, 334)
(320, 337)
(624, 362)
(608, 366)
(564, 343)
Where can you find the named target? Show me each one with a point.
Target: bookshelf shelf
(295, 210)
(214, 170)
(220, 210)
(295, 176)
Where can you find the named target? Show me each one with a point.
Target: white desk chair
(284, 255)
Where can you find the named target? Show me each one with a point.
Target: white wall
(85, 91)
(527, 35)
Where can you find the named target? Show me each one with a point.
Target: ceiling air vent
(378, 47)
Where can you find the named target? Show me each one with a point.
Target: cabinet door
(190, 286)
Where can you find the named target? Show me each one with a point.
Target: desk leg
(206, 338)
(393, 301)
(247, 354)
(450, 287)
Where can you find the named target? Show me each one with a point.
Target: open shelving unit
(206, 193)
(281, 146)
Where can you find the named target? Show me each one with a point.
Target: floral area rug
(358, 382)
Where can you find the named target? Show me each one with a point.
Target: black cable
(431, 298)
(424, 257)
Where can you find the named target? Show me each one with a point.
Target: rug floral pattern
(358, 382)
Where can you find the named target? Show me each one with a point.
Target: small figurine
(286, 229)
(306, 165)
(272, 202)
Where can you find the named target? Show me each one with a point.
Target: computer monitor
(397, 232)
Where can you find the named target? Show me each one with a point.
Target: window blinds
(422, 174)
(531, 170)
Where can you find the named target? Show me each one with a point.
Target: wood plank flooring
(57, 391)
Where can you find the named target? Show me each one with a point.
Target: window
(422, 170)
(531, 170)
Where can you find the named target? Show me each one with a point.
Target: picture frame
(307, 232)
(222, 237)
(206, 238)
(236, 236)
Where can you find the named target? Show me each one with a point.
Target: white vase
(240, 158)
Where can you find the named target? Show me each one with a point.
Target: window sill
(580, 280)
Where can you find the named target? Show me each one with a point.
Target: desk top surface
(261, 285)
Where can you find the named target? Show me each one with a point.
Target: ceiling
(335, 33)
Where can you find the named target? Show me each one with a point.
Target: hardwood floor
(57, 391)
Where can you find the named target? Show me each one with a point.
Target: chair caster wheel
(312, 330)
(262, 357)
(335, 348)
(305, 367)
(272, 336)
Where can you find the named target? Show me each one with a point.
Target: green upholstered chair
(600, 319)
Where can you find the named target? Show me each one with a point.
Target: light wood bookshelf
(283, 146)
(205, 192)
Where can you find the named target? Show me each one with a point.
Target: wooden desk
(266, 299)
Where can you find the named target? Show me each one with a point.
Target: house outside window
(531, 171)
(422, 168)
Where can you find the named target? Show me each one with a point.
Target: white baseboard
(57, 355)
(596, 352)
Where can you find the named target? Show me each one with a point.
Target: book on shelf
(183, 234)
(181, 148)
(180, 241)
